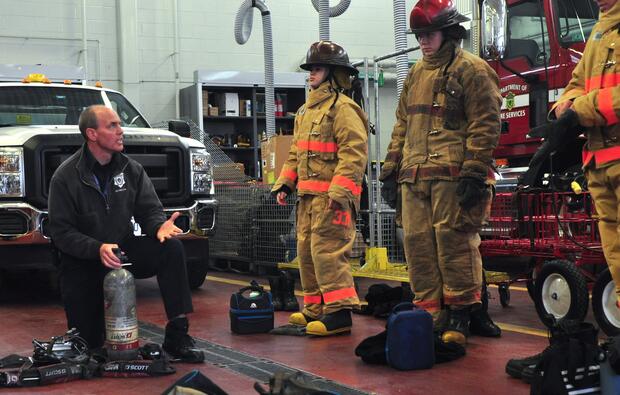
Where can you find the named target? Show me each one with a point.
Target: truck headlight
(202, 171)
(11, 172)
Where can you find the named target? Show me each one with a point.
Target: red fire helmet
(431, 15)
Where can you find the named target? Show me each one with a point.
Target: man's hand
(168, 229)
(108, 257)
(560, 108)
(281, 198)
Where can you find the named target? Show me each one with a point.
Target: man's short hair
(88, 119)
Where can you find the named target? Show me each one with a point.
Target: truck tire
(560, 292)
(604, 307)
(197, 267)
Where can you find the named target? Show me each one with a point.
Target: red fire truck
(550, 233)
(542, 43)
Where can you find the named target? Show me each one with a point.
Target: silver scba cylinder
(121, 320)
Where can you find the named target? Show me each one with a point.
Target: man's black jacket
(82, 217)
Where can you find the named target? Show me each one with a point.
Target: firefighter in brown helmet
(326, 165)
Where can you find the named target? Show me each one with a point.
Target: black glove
(389, 190)
(557, 133)
(471, 191)
(283, 188)
(560, 131)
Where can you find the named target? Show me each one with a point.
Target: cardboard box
(229, 171)
(274, 153)
(214, 111)
(205, 103)
(228, 102)
(240, 166)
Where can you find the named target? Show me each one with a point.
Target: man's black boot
(179, 344)
(289, 301)
(331, 324)
(275, 284)
(480, 322)
(457, 329)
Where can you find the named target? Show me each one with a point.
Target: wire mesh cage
(252, 230)
(273, 228)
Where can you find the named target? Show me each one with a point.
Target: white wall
(50, 32)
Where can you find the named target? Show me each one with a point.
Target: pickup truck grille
(165, 165)
(13, 223)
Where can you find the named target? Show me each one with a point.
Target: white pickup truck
(38, 131)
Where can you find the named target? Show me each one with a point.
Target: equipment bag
(407, 344)
(194, 383)
(571, 364)
(610, 367)
(251, 310)
(290, 383)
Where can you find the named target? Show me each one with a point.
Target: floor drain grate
(260, 369)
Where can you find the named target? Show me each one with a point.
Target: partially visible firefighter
(438, 170)
(592, 100)
(326, 166)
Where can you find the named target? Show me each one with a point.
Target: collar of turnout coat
(441, 57)
(320, 94)
(609, 19)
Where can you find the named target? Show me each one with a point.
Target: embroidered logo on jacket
(119, 180)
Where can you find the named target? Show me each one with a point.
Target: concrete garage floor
(29, 310)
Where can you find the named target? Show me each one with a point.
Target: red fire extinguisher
(279, 107)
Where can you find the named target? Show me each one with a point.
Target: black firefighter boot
(179, 344)
(480, 322)
(457, 329)
(275, 284)
(331, 324)
(289, 301)
(527, 368)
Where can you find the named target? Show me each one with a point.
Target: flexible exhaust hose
(325, 12)
(400, 43)
(243, 29)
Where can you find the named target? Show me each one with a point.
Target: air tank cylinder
(121, 320)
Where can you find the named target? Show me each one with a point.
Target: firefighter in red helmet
(439, 167)
(326, 165)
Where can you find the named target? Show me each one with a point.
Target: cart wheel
(504, 294)
(531, 284)
(560, 292)
(606, 312)
(531, 287)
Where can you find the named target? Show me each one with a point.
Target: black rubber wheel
(530, 284)
(606, 313)
(504, 294)
(560, 292)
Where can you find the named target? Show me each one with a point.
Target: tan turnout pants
(604, 186)
(324, 241)
(441, 245)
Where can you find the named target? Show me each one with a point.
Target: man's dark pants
(81, 283)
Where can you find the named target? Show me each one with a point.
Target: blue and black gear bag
(251, 310)
(408, 343)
